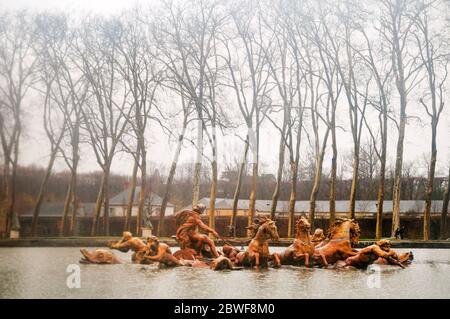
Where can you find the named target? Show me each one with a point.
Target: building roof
(55, 209)
(361, 206)
(122, 198)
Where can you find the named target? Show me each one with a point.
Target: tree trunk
(169, 181)
(401, 88)
(252, 201)
(4, 196)
(74, 199)
(98, 205)
(429, 191)
(333, 174)
(314, 192)
(66, 209)
(351, 213)
(237, 190)
(143, 194)
(131, 192)
(212, 197)
(106, 205)
(198, 163)
(41, 193)
(382, 182)
(276, 192)
(74, 179)
(398, 171)
(12, 217)
(380, 200)
(292, 198)
(255, 159)
(445, 209)
(317, 178)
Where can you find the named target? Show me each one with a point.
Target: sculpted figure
(342, 235)
(405, 259)
(160, 252)
(134, 243)
(187, 235)
(302, 249)
(186, 254)
(98, 256)
(368, 255)
(318, 237)
(221, 263)
(230, 252)
(257, 253)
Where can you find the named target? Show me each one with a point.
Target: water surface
(42, 273)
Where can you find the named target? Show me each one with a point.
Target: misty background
(258, 100)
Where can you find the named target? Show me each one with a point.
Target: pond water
(42, 273)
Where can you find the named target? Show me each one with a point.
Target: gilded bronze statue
(369, 254)
(188, 221)
(128, 242)
(343, 235)
(197, 250)
(257, 253)
(160, 252)
(318, 237)
(98, 256)
(302, 250)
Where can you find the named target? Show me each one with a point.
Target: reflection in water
(41, 273)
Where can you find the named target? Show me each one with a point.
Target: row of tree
(29, 178)
(292, 65)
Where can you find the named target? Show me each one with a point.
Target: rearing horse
(302, 249)
(342, 235)
(257, 253)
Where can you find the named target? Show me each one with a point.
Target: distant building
(118, 204)
(51, 213)
(50, 218)
(411, 212)
(363, 208)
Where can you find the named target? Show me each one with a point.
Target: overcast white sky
(35, 149)
(100, 6)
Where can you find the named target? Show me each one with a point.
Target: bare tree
(142, 75)
(17, 66)
(432, 54)
(250, 86)
(357, 100)
(76, 84)
(237, 83)
(217, 119)
(287, 71)
(381, 71)
(106, 115)
(187, 110)
(185, 41)
(328, 48)
(278, 61)
(396, 27)
(51, 48)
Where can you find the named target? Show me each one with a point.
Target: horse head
(302, 226)
(344, 228)
(265, 229)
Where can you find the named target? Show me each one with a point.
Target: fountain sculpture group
(336, 249)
